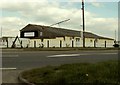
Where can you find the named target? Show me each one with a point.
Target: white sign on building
(29, 34)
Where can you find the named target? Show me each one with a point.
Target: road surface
(15, 61)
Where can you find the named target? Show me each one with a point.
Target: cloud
(97, 4)
(11, 25)
(47, 13)
(102, 26)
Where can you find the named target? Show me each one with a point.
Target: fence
(38, 43)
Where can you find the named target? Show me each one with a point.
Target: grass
(77, 74)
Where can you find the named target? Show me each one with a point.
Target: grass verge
(78, 74)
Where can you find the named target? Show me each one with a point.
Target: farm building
(46, 36)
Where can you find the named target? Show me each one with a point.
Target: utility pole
(83, 23)
(1, 32)
(115, 36)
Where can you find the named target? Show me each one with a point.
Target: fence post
(94, 43)
(60, 43)
(48, 43)
(72, 43)
(7, 43)
(105, 44)
(34, 44)
(21, 44)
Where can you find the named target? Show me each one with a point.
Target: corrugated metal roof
(61, 31)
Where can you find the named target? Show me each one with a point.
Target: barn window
(4, 40)
(41, 40)
(71, 38)
(91, 40)
(77, 39)
(96, 40)
(64, 38)
(41, 33)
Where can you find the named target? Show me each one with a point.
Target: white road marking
(9, 56)
(63, 55)
(68, 55)
(8, 68)
(109, 53)
(102, 54)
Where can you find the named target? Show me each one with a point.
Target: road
(15, 61)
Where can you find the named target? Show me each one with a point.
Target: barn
(46, 36)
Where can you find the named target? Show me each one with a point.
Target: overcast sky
(101, 16)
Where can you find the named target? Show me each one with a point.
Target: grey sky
(100, 18)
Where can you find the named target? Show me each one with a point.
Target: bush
(116, 45)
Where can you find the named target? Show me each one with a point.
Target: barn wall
(65, 42)
(10, 42)
(101, 43)
(89, 42)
